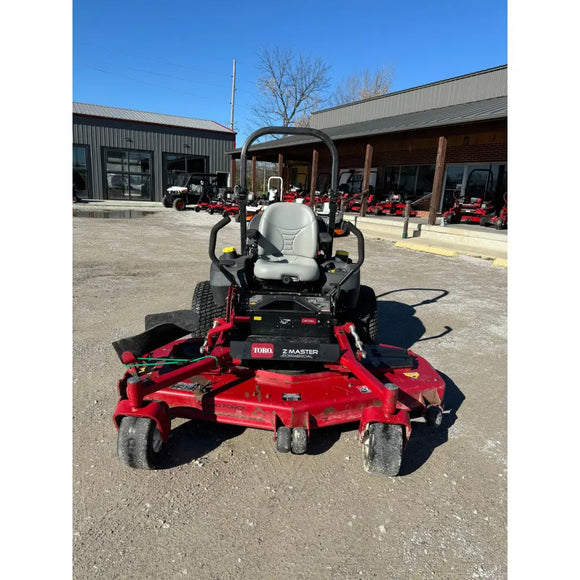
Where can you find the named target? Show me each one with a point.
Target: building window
(178, 163)
(81, 171)
(128, 174)
(486, 181)
(411, 181)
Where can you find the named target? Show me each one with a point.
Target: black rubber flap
(379, 357)
(161, 329)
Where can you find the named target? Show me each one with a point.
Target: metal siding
(99, 133)
(461, 90)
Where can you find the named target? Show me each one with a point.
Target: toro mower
(499, 222)
(393, 205)
(282, 337)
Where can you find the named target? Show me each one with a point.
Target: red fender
(153, 410)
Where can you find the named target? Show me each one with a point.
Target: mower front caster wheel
(434, 416)
(139, 443)
(382, 449)
(299, 440)
(283, 439)
(295, 440)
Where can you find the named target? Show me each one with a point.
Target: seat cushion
(288, 243)
(277, 267)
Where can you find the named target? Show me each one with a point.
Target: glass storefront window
(81, 171)
(425, 175)
(128, 174)
(175, 163)
(408, 179)
(452, 186)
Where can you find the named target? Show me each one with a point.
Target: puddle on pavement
(118, 214)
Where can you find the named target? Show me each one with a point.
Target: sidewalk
(449, 240)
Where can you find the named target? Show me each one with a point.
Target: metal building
(425, 142)
(121, 154)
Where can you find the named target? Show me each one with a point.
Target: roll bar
(287, 131)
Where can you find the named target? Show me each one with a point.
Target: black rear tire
(204, 306)
(383, 449)
(139, 443)
(365, 315)
(167, 202)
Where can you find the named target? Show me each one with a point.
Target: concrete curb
(428, 249)
(500, 262)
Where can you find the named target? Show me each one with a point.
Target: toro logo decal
(262, 350)
(308, 320)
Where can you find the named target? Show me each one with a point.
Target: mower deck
(215, 389)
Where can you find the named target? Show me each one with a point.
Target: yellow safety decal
(412, 375)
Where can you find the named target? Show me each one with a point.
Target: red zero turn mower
(282, 339)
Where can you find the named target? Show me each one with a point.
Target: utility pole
(233, 96)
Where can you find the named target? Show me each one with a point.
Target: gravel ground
(225, 504)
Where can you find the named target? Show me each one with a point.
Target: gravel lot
(226, 505)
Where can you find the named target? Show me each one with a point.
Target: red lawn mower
(393, 205)
(282, 339)
(499, 222)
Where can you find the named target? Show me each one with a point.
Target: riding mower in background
(281, 337)
(470, 213)
(499, 222)
(393, 205)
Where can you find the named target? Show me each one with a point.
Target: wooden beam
(233, 183)
(280, 165)
(314, 174)
(366, 179)
(253, 174)
(438, 180)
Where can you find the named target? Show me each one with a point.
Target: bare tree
(292, 85)
(363, 85)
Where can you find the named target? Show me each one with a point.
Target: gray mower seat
(287, 244)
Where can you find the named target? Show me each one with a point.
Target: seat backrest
(288, 229)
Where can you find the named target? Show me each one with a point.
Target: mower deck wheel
(382, 449)
(434, 416)
(299, 440)
(283, 439)
(139, 443)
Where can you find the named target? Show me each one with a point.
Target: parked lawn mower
(282, 339)
(393, 205)
(499, 222)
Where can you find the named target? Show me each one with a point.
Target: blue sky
(176, 57)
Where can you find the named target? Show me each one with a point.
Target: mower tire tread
(139, 443)
(365, 315)
(204, 306)
(283, 439)
(383, 449)
(299, 440)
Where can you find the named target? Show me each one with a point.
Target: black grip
(212, 244)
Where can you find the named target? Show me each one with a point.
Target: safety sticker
(413, 375)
